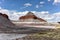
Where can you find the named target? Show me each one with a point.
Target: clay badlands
(26, 24)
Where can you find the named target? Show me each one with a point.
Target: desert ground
(33, 31)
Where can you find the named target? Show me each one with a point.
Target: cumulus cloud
(56, 1)
(49, 0)
(0, 7)
(42, 2)
(57, 16)
(27, 4)
(5, 11)
(14, 15)
(44, 15)
(37, 6)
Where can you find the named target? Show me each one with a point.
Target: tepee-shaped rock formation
(30, 17)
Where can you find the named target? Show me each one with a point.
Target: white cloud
(37, 6)
(14, 15)
(49, 17)
(44, 12)
(44, 15)
(57, 16)
(56, 1)
(0, 7)
(27, 4)
(49, 0)
(42, 2)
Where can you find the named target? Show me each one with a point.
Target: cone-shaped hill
(30, 17)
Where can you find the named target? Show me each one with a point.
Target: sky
(46, 9)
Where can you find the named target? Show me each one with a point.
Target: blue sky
(52, 7)
(30, 5)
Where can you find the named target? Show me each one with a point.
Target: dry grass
(53, 35)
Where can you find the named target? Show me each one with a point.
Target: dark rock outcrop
(4, 15)
(59, 22)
